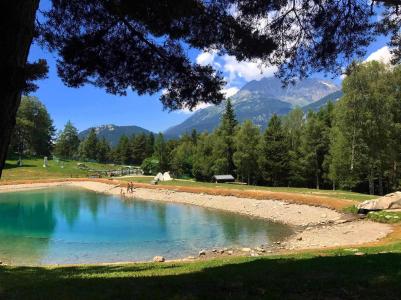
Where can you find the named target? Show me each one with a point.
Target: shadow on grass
(339, 277)
(14, 166)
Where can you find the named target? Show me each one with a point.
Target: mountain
(112, 133)
(258, 101)
(315, 106)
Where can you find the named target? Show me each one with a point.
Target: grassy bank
(338, 274)
(33, 169)
(305, 191)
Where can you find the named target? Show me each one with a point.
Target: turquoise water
(65, 225)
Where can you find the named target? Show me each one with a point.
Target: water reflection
(64, 225)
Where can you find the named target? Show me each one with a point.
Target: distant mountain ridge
(112, 133)
(258, 101)
(315, 106)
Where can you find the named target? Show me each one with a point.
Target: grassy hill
(33, 169)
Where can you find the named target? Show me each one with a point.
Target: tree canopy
(143, 45)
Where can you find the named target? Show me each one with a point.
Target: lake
(66, 225)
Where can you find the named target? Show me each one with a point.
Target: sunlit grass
(191, 183)
(33, 169)
(332, 274)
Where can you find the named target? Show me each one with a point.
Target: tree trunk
(371, 183)
(380, 184)
(353, 150)
(17, 22)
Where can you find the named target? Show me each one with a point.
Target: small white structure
(166, 176)
(163, 177)
(45, 162)
(158, 177)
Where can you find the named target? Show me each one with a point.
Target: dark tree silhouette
(121, 44)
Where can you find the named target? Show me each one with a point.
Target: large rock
(389, 201)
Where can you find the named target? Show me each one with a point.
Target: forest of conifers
(353, 144)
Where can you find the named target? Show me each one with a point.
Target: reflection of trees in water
(69, 204)
(150, 209)
(94, 202)
(27, 222)
(234, 227)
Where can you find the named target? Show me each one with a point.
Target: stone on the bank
(230, 252)
(158, 259)
(253, 254)
(389, 201)
(202, 252)
(259, 249)
(246, 249)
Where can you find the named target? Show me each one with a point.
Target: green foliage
(88, 147)
(123, 153)
(67, 142)
(103, 151)
(224, 146)
(365, 131)
(273, 154)
(385, 216)
(203, 162)
(181, 162)
(138, 148)
(150, 166)
(161, 153)
(315, 145)
(246, 154)
(34, 129)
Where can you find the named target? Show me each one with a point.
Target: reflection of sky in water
(64, 225)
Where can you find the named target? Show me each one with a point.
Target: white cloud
(246, 70)
(233, 69)
(206, 58)
(382, 55)
(228, 92)
(201, 105)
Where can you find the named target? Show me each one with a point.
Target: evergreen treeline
(354, 144)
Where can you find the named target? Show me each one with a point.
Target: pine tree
(68, 142)
(203, 157)
(182, 156)
(103, 151)
(224, 144)
(138, 148)
(150, 143)
(88, 147)
(315, 146)
(161, 153)
(245, 156)
(122, 152)
(293, 125)
(273, 158)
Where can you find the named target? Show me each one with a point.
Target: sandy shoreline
(316, 227)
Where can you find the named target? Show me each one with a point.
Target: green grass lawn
(33, 169)
(191, 183)
(385, 216)
(336, 274)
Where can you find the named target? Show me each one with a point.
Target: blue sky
(90, 106)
